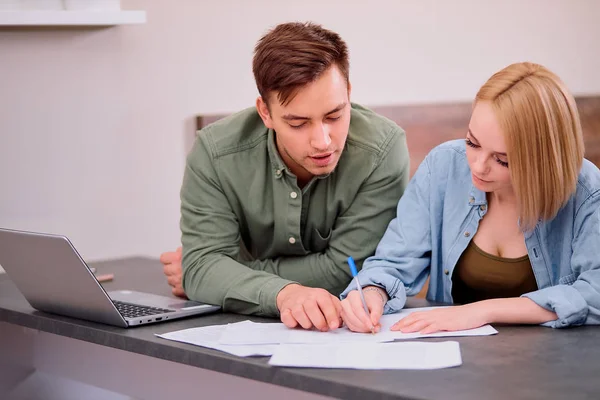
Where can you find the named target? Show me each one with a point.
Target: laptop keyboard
(129, 310)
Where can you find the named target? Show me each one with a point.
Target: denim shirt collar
(476, 197)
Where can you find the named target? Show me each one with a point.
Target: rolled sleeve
(393, 286)
(576, 299)
(566, 301)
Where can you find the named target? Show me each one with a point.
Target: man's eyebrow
(291, 117)
(338, 108)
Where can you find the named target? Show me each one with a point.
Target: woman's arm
(518, 310)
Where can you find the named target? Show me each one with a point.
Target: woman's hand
(353, 312)
(454, 318)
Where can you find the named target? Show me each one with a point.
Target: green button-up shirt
(248, 230)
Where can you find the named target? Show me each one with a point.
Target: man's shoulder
(372, 132)
(237, 132)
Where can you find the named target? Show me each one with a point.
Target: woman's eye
(471, 144)
(503, 163)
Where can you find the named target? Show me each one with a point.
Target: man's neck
(302, 175)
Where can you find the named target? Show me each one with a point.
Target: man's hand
(308, 307)
(172, 267)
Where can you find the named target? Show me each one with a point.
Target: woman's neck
(505, 198)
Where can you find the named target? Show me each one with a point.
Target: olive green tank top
(479, 276)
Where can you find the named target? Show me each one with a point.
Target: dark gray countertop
(521, 362)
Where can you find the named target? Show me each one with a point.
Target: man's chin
(322, 171)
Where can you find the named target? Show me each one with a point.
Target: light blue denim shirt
(439, 214)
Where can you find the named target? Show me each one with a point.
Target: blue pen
(359, 288)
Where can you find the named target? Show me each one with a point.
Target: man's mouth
(323, 159)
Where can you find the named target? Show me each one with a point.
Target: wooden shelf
(71, 18)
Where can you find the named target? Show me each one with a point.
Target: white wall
(94, 123)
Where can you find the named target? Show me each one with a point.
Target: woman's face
(486, 151)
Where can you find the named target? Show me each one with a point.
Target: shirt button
(293, 195)
(292, 240)
(467, 234)
(278, 172)
(446, 272)
(471, 200)
(482, 207)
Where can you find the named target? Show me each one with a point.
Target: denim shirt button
(447, 272)
(467, 234)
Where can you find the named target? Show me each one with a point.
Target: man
(275, 198)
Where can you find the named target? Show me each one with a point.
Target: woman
(505, 222)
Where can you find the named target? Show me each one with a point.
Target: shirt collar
(277, 163)
(476, 197)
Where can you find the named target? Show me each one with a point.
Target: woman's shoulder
(448, 157)
(588, 183)
(452, 151)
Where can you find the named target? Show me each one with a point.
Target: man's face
(311, 130)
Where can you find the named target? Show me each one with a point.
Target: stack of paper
(406, 355)
(208, 336)
(340, 348)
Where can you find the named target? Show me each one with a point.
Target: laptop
(53, 277)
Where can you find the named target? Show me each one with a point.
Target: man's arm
(356, 232)
(211, 242)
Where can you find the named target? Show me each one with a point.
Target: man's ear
(263, 111)
(349, 90)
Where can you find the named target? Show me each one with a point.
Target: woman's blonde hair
(543, 137)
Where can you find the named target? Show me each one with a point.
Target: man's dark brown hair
(293, 55)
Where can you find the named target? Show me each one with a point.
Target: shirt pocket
(319, 242)
(567, 279)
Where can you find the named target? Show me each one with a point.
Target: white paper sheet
(251, 333)
(405, 355)
(208, 336)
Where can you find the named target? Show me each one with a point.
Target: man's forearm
(218, 279)
(317, 270)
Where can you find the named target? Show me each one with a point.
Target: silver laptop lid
(54, 278)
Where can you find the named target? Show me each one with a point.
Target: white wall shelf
(71, 18)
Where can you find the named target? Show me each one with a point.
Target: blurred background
(95, 124)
